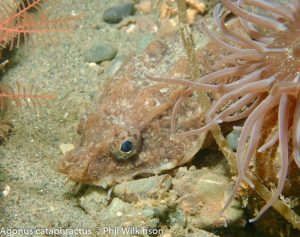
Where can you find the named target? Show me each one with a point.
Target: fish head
(103, 154)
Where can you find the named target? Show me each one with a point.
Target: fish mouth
(112, 180)
(63, 166)
(66, 168)
(78, 173)
(73, 170)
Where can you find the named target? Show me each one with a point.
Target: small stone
(118, 206)
(156, 49)
(94, 66)
(191, 15)
(153, 223)
(167, 28)
(148, 213)
(198, 6)
(98, 52)
(116, 14)
(94, 200)
(119, 214)
(65, 147)
(201, 198)
(145, 6)
(6, 191)
(233, 139)
(160, 211)
(177, 217)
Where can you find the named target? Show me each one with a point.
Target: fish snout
(72, 166)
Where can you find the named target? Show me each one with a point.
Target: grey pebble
(160, 211)
(116, 14)
(153, 223)
(148, 213)
(99, 51)
(118, 206)
(233, 139)
(201, 195)
(177, 217)
(94, 200)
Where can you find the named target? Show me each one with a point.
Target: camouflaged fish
(127, 133)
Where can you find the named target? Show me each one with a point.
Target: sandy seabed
(39, 201)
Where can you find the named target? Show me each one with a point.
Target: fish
(126, 133)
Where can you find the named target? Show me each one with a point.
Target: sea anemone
(258, 76)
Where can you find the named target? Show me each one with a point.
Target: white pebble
(64, 148)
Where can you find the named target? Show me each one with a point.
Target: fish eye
(125, 149)
(126, 146)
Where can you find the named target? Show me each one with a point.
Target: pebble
(120, 212)
(177, 217)
(145, 6)
(159, 211)
(6, 191)
(116, 14)
(65, 147)
(156, 49)
(153, 223)
(233, 139)
(99, 51)
(94, 200)
(117, 206)
(201, 198)
(148, 213)
(167, 28)
(95, 67)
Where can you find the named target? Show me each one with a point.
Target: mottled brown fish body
(127, 133)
